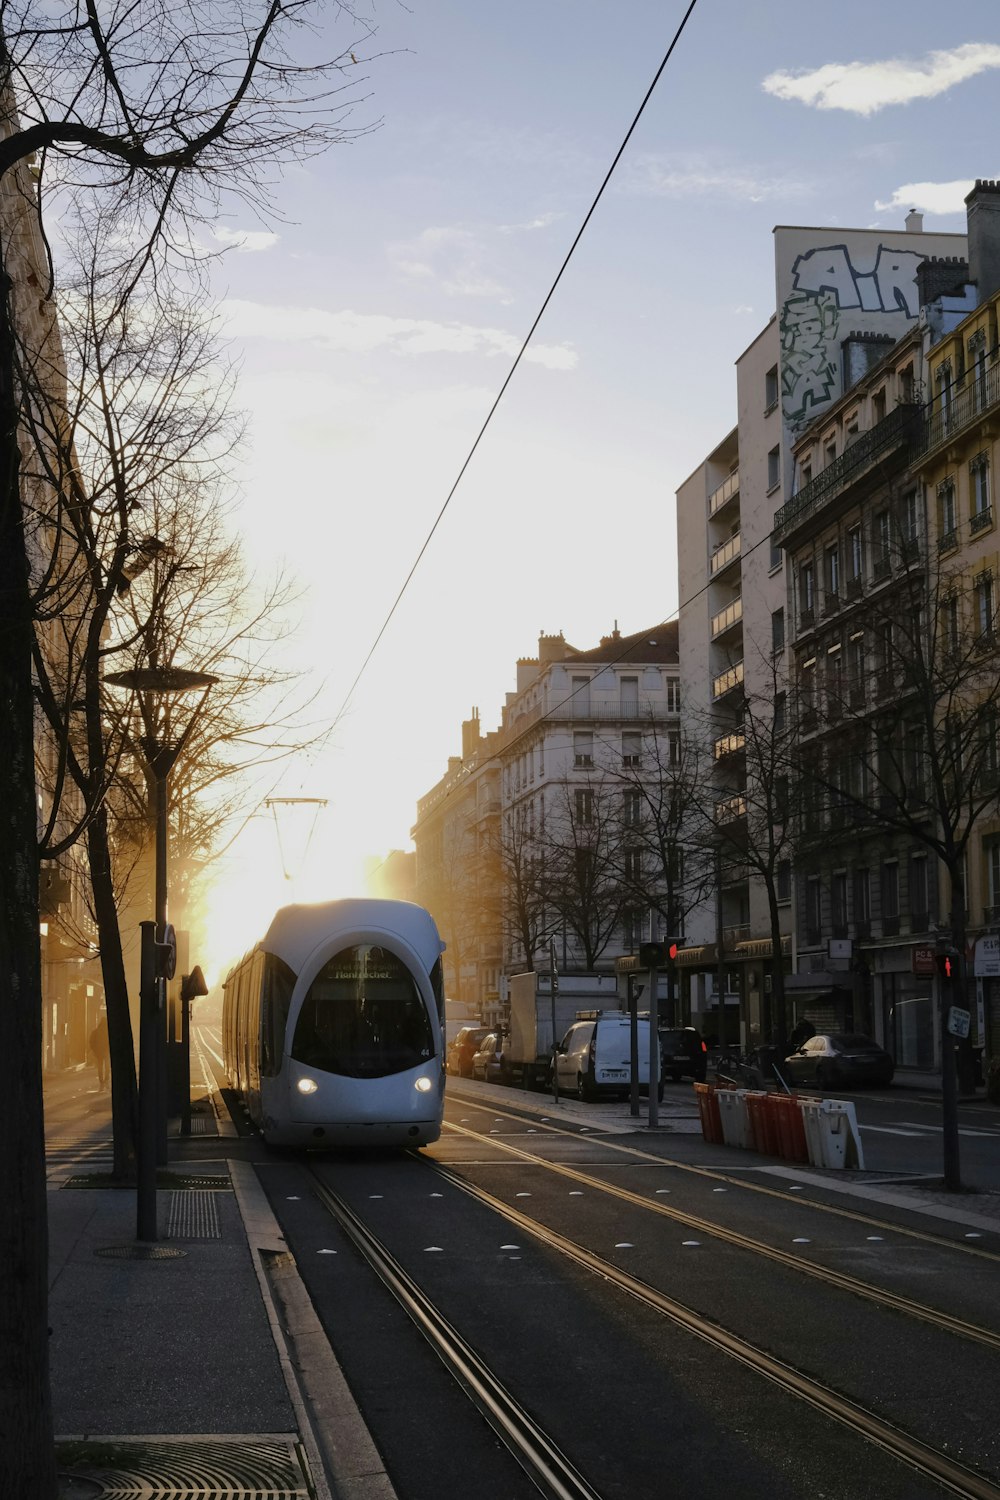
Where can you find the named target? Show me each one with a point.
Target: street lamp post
(158, 951)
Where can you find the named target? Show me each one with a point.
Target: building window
(633, 866)
(984, 608)
(633, 923)
(813, 909)
(774, 468)
(862, 901)
(878, 407)
(771, 388)
(783, 880)
(910, 523)
(829, 453)
(632, 808)
(855, 554)
(838, 903)
(775, 555)
(832, 573)
(979, 488)
(991, 854)
(807, 590)
(631, 747)
(673, 695)
(942, 382)
(947, 530)
(881, 542)
(674, 747)
(581, 696)
(584, 806)
(583, 748)
(856, 668)
(890, 897)
(949, 623)
(778, 630)
(919, 904)
(779, 713)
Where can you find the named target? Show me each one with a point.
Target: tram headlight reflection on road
(307, 1085)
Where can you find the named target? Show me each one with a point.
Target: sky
(376, 316)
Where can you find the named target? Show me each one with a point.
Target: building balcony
(727, 681)
(965, 407)
(729, 744)
(737, 934)
(724, 556)
(728, 490)
(981, 520)
(727, 619)
(900, 434)
(731, 810)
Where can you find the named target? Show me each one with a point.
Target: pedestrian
(100, 1050)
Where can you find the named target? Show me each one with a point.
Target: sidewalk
(194, 1365)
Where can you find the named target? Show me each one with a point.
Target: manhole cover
(140, 1252)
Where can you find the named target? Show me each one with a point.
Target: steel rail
(954, 1477)
(830, 1277)
(921, 1235)
(546, 1465)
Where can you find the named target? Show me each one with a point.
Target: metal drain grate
(193, 1216)
(140, 1252)
(197, 1468)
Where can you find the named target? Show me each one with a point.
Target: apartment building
(842, 297)
(457, 839)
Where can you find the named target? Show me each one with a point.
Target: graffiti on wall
(826, 282)
(809, 378)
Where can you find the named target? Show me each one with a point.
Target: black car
(684, 1053)
(834, 1058)
(466, 1044)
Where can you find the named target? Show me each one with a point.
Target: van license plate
(614, 1072)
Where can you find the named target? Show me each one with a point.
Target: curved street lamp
(151, 683)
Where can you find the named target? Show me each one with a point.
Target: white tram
(333, 1026)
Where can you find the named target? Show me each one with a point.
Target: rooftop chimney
(551, 647)
(983, 207)
(914, 222)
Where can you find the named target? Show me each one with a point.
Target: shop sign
(923, 961)
(988, 956)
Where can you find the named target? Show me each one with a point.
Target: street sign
(167, 953)
(958, 1021)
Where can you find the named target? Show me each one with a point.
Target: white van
(594, 1058)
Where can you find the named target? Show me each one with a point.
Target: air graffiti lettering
(826, 282)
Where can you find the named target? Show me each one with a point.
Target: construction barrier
(763, 1124)
(832, 1134)
(735, 1120)
(708, 1109)
(792, 1144)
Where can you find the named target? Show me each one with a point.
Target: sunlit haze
(377, 318)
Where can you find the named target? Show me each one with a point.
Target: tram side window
(279, 981)
(437, 985)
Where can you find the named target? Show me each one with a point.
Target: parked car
(460, 1054)
(487, 1061)
(684, 1052)
(834, 1058)
(594, 1058)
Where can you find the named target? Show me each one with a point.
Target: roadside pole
(654, 1050)
(553, 991)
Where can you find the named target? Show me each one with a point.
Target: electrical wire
(520, 354)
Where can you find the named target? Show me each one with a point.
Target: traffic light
(946, 964)
(658, 955)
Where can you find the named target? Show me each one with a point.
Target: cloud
(865, 88)
(367, 333)
(542, 222)
(245, 241)
(675, 177)
(930, 197)
(453, 255)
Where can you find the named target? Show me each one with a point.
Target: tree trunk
(123, 1081)
(27, 1454)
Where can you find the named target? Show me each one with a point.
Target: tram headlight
(307, 1085)
(423, 1085)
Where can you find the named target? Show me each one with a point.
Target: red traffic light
(671, 950)
(946, 966)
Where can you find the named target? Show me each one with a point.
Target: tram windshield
(363, 1017)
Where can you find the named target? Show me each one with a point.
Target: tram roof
(295, 931)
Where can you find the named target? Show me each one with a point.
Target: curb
(344, 1461)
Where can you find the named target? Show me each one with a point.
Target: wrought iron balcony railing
(901, 429)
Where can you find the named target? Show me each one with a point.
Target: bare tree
(581, 881)
(520, 866)
(149, 116)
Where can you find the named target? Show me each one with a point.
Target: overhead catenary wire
(517, 360)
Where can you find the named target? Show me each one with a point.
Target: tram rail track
(882, 1296)
(551, 1470)
(533, 1449)
(834, 1210)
